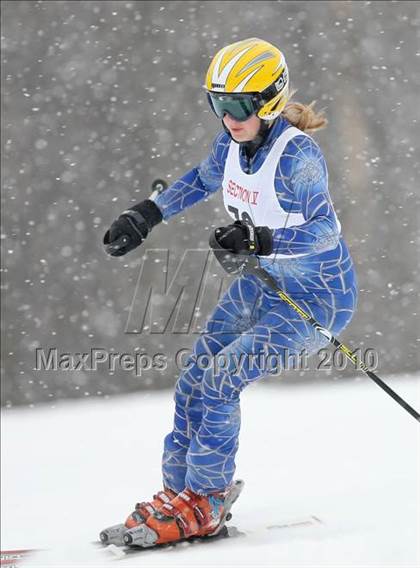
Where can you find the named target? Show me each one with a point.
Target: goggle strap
(271, 91)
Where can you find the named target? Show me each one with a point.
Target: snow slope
(342, 451)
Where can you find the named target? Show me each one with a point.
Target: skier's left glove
(242, 238)
(232, 245)
(131, 228)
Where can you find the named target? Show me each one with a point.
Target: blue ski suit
(199, 453)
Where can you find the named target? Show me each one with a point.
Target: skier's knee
(219, 387)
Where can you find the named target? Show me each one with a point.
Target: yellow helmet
(248, 77)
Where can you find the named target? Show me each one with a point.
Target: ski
(309, 521)
(11, 558)
(228, 532)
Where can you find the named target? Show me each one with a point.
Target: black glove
(242, 238)
(233, 244)
(131, 228)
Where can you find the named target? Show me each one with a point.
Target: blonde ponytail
(303, 116)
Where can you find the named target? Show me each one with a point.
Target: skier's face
(244, 131)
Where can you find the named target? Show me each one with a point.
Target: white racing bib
(252, 197)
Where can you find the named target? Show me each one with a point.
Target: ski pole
(157, 187)
(269, 280)
(160, 185)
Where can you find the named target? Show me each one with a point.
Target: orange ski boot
(143, 510)
(114, 534)
(187, 515)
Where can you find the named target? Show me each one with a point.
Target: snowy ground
(344, 452)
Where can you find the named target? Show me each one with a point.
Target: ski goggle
(239, 106)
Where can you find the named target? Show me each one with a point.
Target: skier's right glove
(131, 228)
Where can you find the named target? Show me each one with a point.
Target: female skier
(274, 182)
